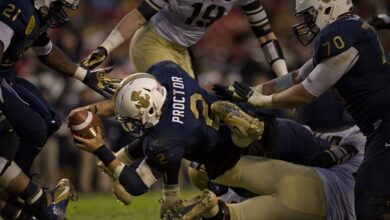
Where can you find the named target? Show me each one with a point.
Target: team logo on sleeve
(30, 25)
(143, 102)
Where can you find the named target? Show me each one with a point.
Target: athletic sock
(10, 211)
(31, 193)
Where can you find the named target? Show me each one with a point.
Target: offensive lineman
(176, 122)
(165, 29)
(348, 58)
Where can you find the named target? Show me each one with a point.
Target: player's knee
(36, 139)
(8, 172)
(373, 208)
(9, 140)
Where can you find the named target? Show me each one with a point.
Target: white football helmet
(317, 15)
(139, 102)
(52, 10)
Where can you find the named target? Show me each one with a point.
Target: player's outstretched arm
(56, 59)
(123, 31)
(261, 27)
(136, 182)
(323, 76)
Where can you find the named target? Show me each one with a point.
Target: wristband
(105, 155)
(113, 41)
(80, 73)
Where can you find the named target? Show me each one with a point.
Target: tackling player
(24, 25)
(348, 58)
(172, 112)
(166, 29)
(338, 185)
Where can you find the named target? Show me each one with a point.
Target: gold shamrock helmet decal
(143, 101)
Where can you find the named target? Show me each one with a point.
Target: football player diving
(172, 114)
(165, 30)
(349, 59)
(338, 182)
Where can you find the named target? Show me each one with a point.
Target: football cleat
(245, 128)
(193, 208)
(60, 197)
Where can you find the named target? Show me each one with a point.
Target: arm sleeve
(6, 34)
(328, 72)
(150, 7)
(257, 17)
(138, 181)
(43, 45)
(171, 175)
(306, 69)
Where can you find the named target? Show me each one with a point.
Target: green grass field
(106, 207)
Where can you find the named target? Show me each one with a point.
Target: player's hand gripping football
(100, 82)
(90, 145)
(97, 57)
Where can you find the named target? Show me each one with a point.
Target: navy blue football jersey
(187, 128)
(22, 18)
(365, 88)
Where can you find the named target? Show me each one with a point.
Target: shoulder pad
(336, 38)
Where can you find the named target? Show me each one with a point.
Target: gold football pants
(148, 48)
(286, 190)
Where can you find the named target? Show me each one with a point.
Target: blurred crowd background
(228, 52)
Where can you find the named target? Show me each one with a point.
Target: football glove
(225, 93)
(97, 57)
(98, 81)
(378, 23)
(253, 95)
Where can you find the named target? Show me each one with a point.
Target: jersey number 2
(211, 14)
(195, 98)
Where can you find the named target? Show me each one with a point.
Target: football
(84, 123)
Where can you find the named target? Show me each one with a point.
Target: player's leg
(372, 189)
(267, 207)
(15, 183)
(297, 187)
(291, 192)
(148, 48)
(30, 116)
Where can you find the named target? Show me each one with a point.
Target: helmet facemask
(53, 12)
(307, 30)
